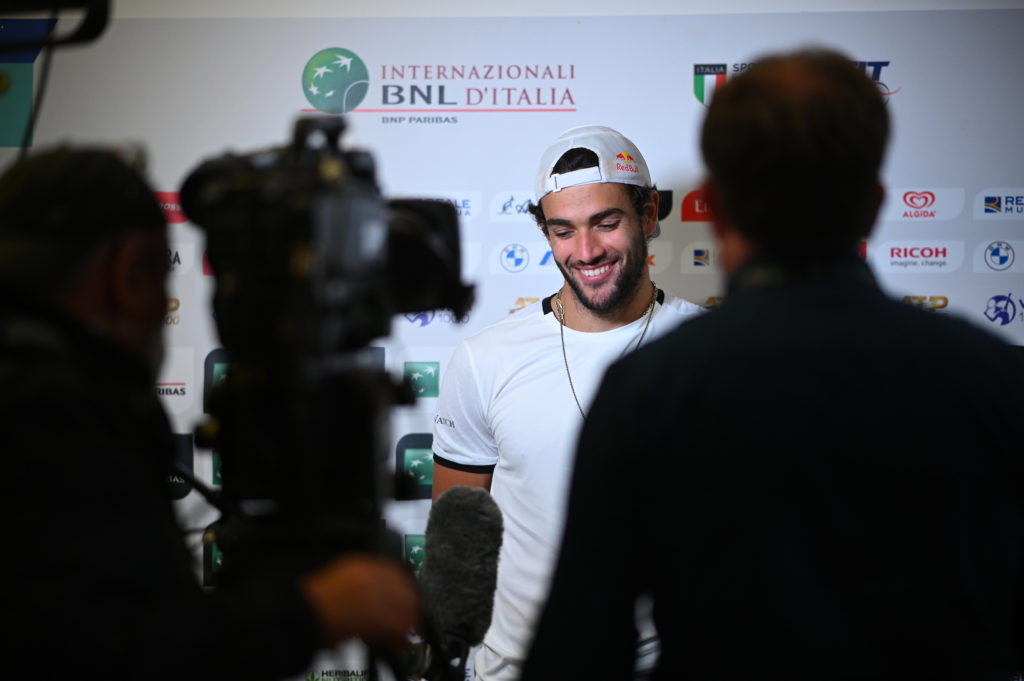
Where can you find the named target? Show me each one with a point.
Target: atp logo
(335, 80)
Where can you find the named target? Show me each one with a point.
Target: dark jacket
(98, 581)
(812, 481)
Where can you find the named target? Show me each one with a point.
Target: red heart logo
(919, 199)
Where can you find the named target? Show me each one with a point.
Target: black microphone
(459, 575)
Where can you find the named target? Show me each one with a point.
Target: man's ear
(650, 216)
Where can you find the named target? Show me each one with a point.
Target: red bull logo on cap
(626, 162)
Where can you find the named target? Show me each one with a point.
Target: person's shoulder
(508, 329)
(680, 307)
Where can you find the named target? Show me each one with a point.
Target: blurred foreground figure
(813, 480)
(99, 581)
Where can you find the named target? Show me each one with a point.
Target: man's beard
(624, 286)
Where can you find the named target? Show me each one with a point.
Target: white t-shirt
(506, 407)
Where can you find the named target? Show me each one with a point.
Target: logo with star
(419, 463)
(335, 80)
(424, 378)
(414, 544)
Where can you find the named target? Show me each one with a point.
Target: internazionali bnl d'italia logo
(335, 80)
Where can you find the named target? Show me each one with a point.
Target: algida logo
(335, 80)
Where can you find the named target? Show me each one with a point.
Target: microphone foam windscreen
(459, 573)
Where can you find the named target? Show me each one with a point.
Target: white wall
(476, 8)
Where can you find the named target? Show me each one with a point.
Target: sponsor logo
(929, 303)
(335, 80)
(173, 384)
(339, 675)
(700, 258)
(1002, 309)
(659, 256)
(695, 208)
(919, 201)
(172, 318)
(922, 257)
(548, 259)
(414, 544)
(626, 163)
(706, 79)
(170, 204)
(444, 421)
(873, 69)
(434, 317)
(215, 457)
(414, 457)
(423, 378)
(181, 257)
(1000, 204)
(924, 204)
(511, 206)
(514, 258)
(522, 303)
(999, 256)
(215, 372)
(464, 203)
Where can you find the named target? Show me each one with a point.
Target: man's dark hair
(576, 159)
(56, 206)
(794, 148)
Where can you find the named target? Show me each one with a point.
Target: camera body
(311, 263)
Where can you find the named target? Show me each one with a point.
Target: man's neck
(581, 318)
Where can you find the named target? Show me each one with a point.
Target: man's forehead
(586, 200)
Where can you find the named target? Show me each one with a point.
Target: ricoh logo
(1005, 203)
(916, 203)
(930, 257)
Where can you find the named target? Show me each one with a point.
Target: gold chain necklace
(649, 313)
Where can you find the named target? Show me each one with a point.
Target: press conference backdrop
(461, 108)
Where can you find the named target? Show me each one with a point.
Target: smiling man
(515, 394)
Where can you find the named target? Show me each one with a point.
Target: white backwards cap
(618, 160)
